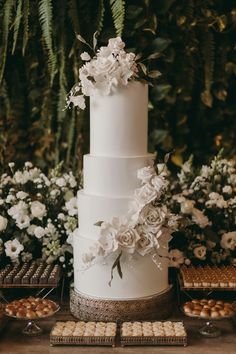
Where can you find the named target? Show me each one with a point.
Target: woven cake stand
(89, 308)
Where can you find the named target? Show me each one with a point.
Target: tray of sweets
(207, 278)
(83, 333)
(153, 333)
(30, 275)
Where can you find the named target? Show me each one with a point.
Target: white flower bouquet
(206, 200)
(147, 228)
(108, 68)
(38, 215)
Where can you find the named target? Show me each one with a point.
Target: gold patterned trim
(89, 308)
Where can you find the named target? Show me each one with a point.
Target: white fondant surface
(141, 276)
(92, 208)
(118, 147)
(113, 176)
(119, 122)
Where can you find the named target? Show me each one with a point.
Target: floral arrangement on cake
(38, 215)
(109, 67)
(206, 201)
(147, 228)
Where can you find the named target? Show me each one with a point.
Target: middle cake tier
(113, 176)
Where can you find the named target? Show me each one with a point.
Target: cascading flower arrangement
(109, 67)
(206, 200)
(38, 215)
(147, 228)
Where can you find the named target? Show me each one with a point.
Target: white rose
(38, 209)
(116, 43)
(21, 195)
(85, 56)
(61, 182)
(145, 194)
(22, 221)
(107, 239)
(153, 216)
(187, 206)
(227, 190)
(199, 218)
(78, 101)
(127, 239)
(71, 206)
(146, 173)
(39, 232)
(3, 223)
(13, 248)
(176, 258)
(200, 252)
(147, 241)
(228, 240)
(31, 229)
(159, 183)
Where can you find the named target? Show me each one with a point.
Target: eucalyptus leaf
(160, 44)
(161, 91)
(143, 68)
(133, 11)
(116, 264)
(154, 74)
(154, 55)
(95, 41)
(98, 223)
(81, 39)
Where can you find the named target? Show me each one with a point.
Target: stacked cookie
(153, 329)
(208, 308)
(84, 329)
(31, 308)
(209, 277)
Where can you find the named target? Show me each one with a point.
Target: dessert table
(12, 341)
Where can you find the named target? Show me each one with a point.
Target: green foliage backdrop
(192, 109)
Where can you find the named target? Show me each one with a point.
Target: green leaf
(100, 16)
(17, 24)
(161, 91)
(160, 44)
(118, 15)
(45, 19)
(95, 41)
(26, 12)
(73, 15)
(116, 264)
(143, 68)
(159, 135)
(7, 17)
(154, 56)
(98, 223)
(154, 74)
(81, 39)
(133, 11)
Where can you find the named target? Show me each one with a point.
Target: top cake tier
(119, 122)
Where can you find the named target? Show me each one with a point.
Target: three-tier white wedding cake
(121, 245)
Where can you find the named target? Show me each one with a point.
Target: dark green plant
(192, 108)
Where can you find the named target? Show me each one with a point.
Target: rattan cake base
(89, 308)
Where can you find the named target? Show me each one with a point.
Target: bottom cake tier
(88, 308)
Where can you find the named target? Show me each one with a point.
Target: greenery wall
(192, 109)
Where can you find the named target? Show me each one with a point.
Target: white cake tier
(113, 176)
(94, 208)
(141, 276)
(119, 122)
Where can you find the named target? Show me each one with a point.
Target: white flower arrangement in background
(147, 228)
(109, 67)
(206, 201)
(38, 215)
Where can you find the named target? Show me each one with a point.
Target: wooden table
(13, 342)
